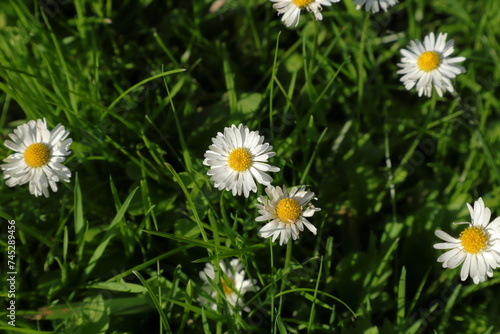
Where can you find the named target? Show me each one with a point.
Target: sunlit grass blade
(450, 303)
(206, 328)
(229, 79)
(316, 289)
(79, 219)
(119, 287)
(401, 298)
(125, 231)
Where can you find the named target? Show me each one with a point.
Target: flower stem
(283, 278)
(287, 262)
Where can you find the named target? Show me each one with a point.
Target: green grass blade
(79, 219)
(126, 92)
(109, 234)
(156, 302)
(192, 207)
(401, 301)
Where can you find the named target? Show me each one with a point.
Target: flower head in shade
(237, 159)
(38, 157)
(477, 247)
(375, 5)
(287, 212)
(428, 64)
(233, 282)
(291, 9)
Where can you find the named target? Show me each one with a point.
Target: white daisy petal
(473, 270)
(464, 272)
(374, 5)
(261, 177)
(291, 9)
(444, 258)
(310, 210)
(481, 265)
(478, 246)
(269, 229)
(310, 226)
(455, 261)
(279, 231)
(427, 65)
(445, 245)
(286, 210)
(478, 210)
(445, 236)
(495, 225)
(231, 281)
(484, 219)
(490, 260)
(237, 159)
(38, 157)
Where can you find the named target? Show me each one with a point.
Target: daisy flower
(375, 5)
(428, 64)
(477, 247)
(38, 157)
(291, 9)
(233, 289)
(236, 158)
(286, 212)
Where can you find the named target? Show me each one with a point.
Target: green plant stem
(287, 263)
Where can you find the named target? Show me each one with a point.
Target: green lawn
(144, 85)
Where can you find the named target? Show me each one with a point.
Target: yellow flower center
(239, 159)
(288, 210)
(302, 3)
(473, 239)
(226, 288)
(429, 61)
(37, 155)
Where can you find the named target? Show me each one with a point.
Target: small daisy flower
(234, 289)
(375, 5)
(287, 212)
(291, 9)
(236, 158)
(477, 247)
(428, 64)
(38, 157)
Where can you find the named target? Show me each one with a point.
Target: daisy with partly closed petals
(237, 158)
(291, 9)
(38, 157)
(477, 247)
(375, 5)
(287, 212)
(428, 65)
(233, 282)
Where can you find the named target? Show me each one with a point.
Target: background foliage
(144, 85)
